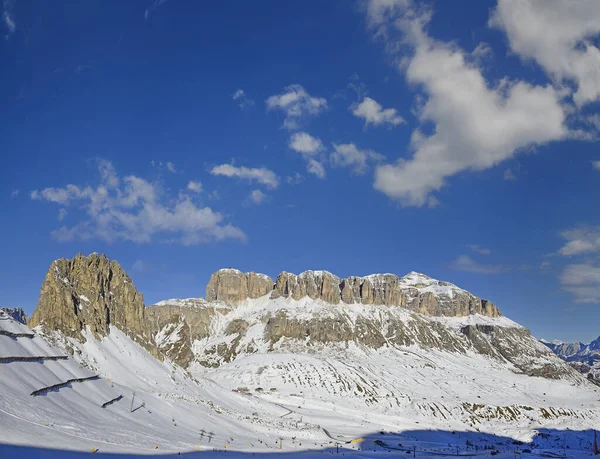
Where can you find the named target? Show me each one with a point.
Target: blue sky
(358, 137)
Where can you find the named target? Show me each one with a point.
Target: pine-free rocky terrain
(301, 365)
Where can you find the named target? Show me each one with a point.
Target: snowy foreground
(291, 405)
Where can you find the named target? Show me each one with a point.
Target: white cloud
(305, 143)
(375, 114)
(478, 249)
(62, 196)
(509, 174)
(153, 7)
(581, 240)
(14, 193)
(297, 104)
(476, 125)
(242, 99)
(260, 175)
(137, 211)
(596, 165)
(168, 165)
(294, 179)
(583, 281)
(466, 263)
(482, 51)
(348, 155)
(560, 36)
(257, 197)
(316, 168)
(309, 147)
(194, 186)
(8, 18)
(62, 213)
(139, 266)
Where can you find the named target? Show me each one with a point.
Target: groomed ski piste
(128, 403)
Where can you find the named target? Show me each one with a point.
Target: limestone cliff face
(414, 291)
(233, 286)
(89, 291)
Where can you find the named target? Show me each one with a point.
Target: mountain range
(286, 358)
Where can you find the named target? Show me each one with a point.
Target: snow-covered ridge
(183, 302)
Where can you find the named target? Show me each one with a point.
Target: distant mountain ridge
(583, 357)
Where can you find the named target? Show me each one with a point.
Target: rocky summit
(415, 292)
(315, 311)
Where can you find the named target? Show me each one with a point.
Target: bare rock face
(176, 324)
(89, 291)
(232, 286)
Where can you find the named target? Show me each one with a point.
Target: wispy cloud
(583, 281)
(478, 249)
(8, 18)
(168, 165)
(153, 7)
(242, 99)
(349, 155)
(509, 175)
(466, 263)
(316, 168)
(62, 213)
(297, 104)
(139, 266)
(596, 165)
(581, 240)
(132, 209)
(252, 174)
(294, 179)
(373, 113)
(14, 193)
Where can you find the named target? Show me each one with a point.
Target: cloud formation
(581, 240)
(373, 113)
(560, 38)
(583, 281)
(297, 104)
(478, 249)
(476, 124)
(466, 263)
(349, 155)
(251, 174)
(194, 186)
(257, 197)
(132, 209)
(316, 168)
(242, 99)
(310, 148)
(305, 143)
(8, 19)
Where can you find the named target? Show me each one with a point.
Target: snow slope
(431, 400)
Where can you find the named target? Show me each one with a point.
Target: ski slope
(316, 403)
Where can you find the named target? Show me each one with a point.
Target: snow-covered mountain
(583, 357)
(311, 357)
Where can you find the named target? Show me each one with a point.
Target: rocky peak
(232, 286)
(89, 291)
(414, 291)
